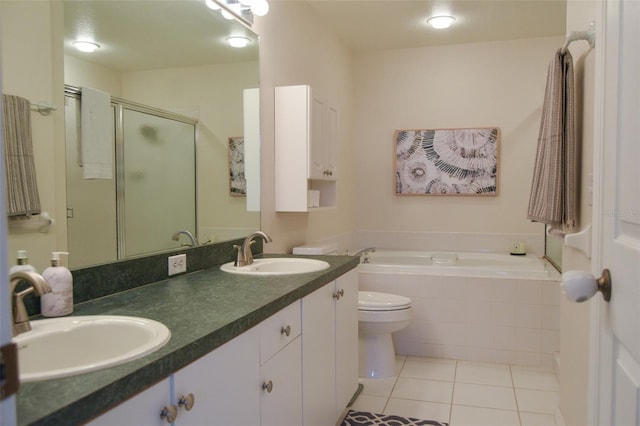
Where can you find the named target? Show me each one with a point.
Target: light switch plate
(177, 264)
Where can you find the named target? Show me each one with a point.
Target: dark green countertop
(203, 310)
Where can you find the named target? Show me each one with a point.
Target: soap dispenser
(22, 263)
(60, 301)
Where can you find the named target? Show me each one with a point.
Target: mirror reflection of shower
(154, 153)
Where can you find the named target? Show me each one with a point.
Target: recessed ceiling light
(238, 41)
(441, 22)
(85, 46)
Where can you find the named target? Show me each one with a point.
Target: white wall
(296, 48)
(32, 68)
(468, 85)
(575, 318)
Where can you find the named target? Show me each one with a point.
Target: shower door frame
(119, 105)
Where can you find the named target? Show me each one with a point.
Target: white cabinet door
(143, 409)
(346, 340)
(331, 142)
(224, 384)
(318, 363)
(317, 163)
(330, 350)
(281, 399)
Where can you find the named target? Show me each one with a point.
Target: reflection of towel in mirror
(553, 198)
(22, 188)
(95, 134)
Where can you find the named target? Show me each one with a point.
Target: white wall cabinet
(329, 350)
(306, 148)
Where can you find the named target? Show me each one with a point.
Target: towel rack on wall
(588, 35)
(43, 109)
(42, 223)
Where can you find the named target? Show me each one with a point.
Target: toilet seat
(374, 301)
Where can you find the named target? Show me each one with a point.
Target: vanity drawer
(278, 330)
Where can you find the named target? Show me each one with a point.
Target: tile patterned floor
(464, 393)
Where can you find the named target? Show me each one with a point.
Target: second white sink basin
(61, 347)
(277, 266)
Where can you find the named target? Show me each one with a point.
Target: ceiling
(137, 35)
(369, 25)
(140, 34)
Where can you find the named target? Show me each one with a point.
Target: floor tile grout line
(515, 394)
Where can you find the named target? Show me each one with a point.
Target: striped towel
(553, 198)
(22, 189)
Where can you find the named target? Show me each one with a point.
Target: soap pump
(22, 263)
(60, 301)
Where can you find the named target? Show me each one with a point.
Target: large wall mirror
(184, 115)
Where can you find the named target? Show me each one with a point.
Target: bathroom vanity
(244, 350)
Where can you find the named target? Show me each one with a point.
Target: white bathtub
(458, 263)
(488, 307)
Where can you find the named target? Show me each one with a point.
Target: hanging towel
(96, 142)
(553, 198)
(20, 169)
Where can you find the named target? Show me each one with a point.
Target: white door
(616, 389)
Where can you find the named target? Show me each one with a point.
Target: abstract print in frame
(447, 161)
(237, 181)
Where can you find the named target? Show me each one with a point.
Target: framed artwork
(447, 161)
(237, 181)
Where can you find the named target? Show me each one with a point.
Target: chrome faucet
(37, 285)
(176, 237)
(364, 253)
(245, 257)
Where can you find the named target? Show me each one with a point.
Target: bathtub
(458, 263)
(488, 307)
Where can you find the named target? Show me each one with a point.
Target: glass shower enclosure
(152, 194)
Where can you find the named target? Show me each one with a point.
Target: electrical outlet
(177, 264)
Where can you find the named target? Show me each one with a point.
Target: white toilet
(379, 315)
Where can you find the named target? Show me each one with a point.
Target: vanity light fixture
(257, 7)
(238, 41)
(85, 46)
(441, 21)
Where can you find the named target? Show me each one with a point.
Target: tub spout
(364, 253)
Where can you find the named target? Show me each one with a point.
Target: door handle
(579, 286)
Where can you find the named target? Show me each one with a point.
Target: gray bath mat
(364, 418)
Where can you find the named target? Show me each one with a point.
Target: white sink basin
(277, 266)
(61, 347)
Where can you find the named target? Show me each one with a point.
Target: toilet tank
(317, 249)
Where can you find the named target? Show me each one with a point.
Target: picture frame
(237, 180)
(447, 161)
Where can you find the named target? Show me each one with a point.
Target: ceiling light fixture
(441, 22)
(238, 41)
(85, 46)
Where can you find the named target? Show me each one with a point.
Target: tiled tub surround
(511, 320)
(203, 310)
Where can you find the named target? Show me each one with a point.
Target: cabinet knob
(268, 386)
(338, 294)
(169, 413)
(286, 330)
(187, 401)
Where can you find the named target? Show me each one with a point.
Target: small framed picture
(446, 161)
(237, 181)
